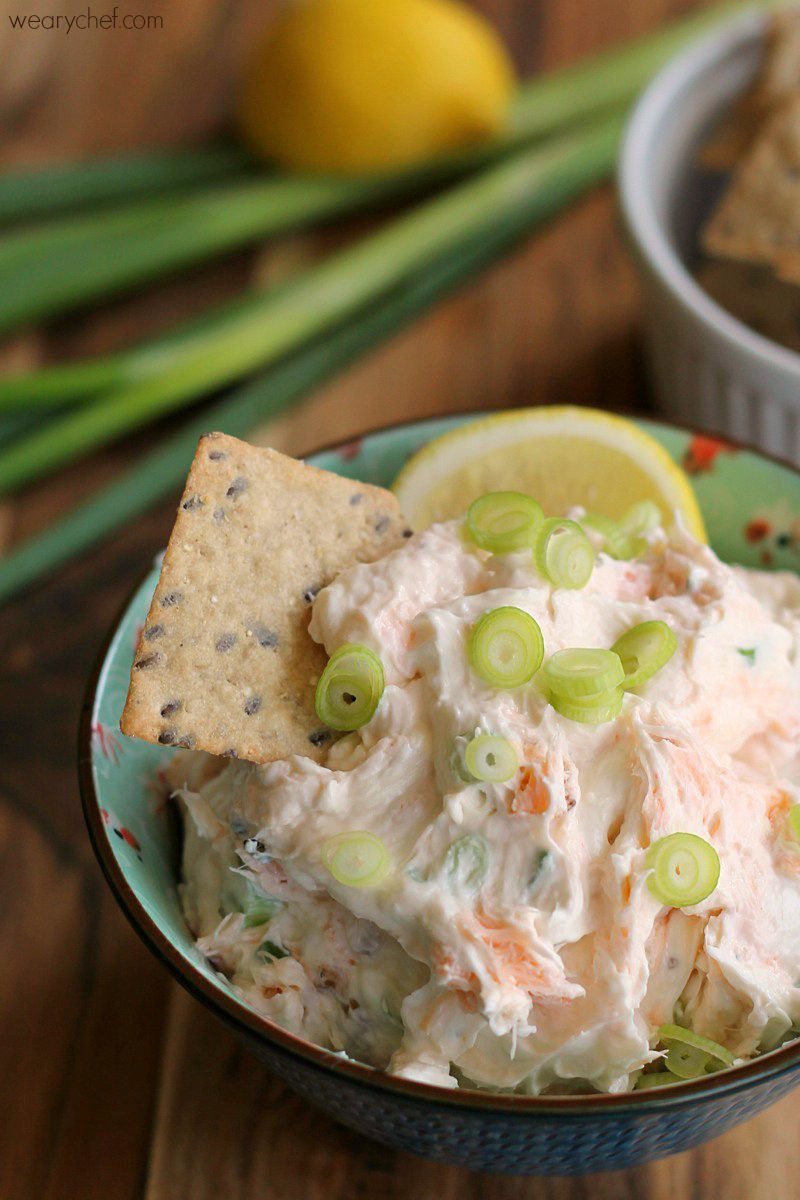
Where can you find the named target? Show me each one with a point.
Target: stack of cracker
(751, 244)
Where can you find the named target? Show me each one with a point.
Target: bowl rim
(647, 235)
(247, 1022)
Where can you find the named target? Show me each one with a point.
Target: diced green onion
(684, 869)
(350, 688)
(616, 542)
(644, 650)
(748, 653)
(564, 554)
(504, 521)
(467, 860)
(794, 820)
(540, 864)
(259, 908)
(357, 859)
(589, 710)
(690, 1055)
(270, 950)
(506, 647)
(642, 517)
(491, 759)
(655, 1079)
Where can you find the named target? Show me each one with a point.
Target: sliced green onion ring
(690, 1055)
(259, 908)
(616, 542)
(457, 764)
(794, 821)
(350, 688)
(578, 673)
(506, 647)
(271, 951)
(591, 710)
(467, 861)
(504, 521)
(564, 554)
(354, 650)
(643, 650)
(642, 517)
(356, 859)
(684, 869)
(655, 1079)
(491, 759)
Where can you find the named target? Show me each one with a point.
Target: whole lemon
(363, 85)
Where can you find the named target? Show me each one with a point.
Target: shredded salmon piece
(466, 1000)
(779, 805)
(657, 800)
(510, 960)
(532, 795)
(448, 969)
(513, 960)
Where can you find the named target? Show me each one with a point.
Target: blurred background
(68, 96)
(114, 1084)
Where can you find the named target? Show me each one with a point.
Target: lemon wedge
(562, 456)
(349, 86)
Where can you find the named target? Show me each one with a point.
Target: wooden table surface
(113, 1083)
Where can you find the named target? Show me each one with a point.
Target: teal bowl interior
(751, 506)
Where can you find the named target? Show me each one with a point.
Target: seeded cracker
(225, 663)
(777, 83)
(758, 220)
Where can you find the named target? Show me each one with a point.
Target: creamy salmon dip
(514, 942)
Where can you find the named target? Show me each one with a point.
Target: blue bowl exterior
(520, 1135)
(524, 1143)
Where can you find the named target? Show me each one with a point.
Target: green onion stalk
(34, 194)
(511, 197)
(162, 469)
(75, 262)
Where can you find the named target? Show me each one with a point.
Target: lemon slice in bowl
(562, 456)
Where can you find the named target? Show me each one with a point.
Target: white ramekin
(708, 369)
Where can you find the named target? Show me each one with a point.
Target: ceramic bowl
(707, 368)
(752, 509)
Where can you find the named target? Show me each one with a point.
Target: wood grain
(113, 1083)
(224, 1098)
